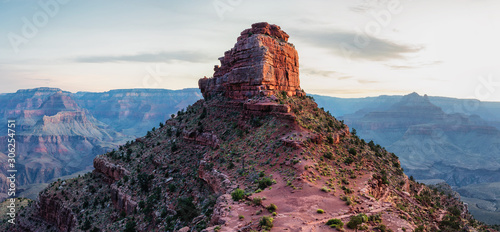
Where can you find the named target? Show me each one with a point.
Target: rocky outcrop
(202, 138)
(340, 134)
(53, 211)
(113, 171)
(266, 107)
(262, 62)
(221, 210)
(218, 181)
(122, 201)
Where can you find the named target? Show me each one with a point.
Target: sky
(348, 48)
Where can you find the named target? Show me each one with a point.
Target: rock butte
(262, 63)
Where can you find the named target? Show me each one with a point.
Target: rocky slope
(266, 162)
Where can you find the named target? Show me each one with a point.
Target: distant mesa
(262, 63)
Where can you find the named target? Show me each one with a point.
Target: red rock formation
(218, 181)
(113, 171)
(262, 62)
(122, 201)
(205, 138)
(53, 211)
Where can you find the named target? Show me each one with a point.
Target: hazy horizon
(347, 49)
(421, 94)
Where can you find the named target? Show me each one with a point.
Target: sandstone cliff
(262, 62)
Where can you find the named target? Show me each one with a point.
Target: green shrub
(238, 194)
(363, 216)
(266, 222)
(335, 223)
(382, 228)
(144, 181)
(356, 221)
(330, 139)
(419, 229)
(257, 200)
(375, 218)
(172, 187)
(328, 155)
(130, 226)
(264, 183)
(320, 211)
(186, 210)
(363, 227)
(86, 225)
(349, 160)
(272, 208)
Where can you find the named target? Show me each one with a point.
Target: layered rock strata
(262, 62)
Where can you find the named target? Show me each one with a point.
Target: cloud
(346, 92)
(324, 73)
(367, 5)
(187, 56)
(417, 65)
(352, 45)
(362, 81)
(362, 8)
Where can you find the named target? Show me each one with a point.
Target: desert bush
(238, 194)
(335, 223)
(257, 200)
(356, 221)
(264, 182)
(328, 155)
(266, 222)
(130, 226)
(272, 208)
(186, 210)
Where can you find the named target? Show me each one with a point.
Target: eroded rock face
(112, 171)
(202, 138)
(262, 62)
(53, 211)
(218, 182)
(122, 201)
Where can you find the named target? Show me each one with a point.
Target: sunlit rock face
(262, 62)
